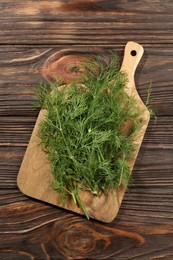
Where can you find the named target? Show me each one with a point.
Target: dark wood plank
(143, 228)
(21, 72)
(34, 9)
(16, 131)
(30, 224)
(98, 22)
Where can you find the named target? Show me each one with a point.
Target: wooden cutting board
(34, 176)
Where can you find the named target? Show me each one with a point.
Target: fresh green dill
(148, 101)
(88, 132)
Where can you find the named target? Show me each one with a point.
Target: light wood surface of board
(34, 178)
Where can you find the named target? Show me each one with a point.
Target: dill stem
(148, 94)
(122, 170)
(61, 130)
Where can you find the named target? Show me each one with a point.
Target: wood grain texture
(157, 142)
(31, 31)
(21, 72)
(97, 22)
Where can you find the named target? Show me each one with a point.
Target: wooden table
(31, 31)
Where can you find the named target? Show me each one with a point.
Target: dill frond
(84, 134)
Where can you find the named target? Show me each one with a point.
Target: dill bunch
(88, 132)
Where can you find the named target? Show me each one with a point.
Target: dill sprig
(88, 132)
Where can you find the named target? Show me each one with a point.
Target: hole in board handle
(133, 53)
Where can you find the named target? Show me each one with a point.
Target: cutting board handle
(132, 55)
